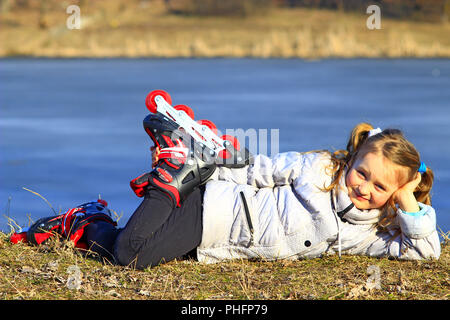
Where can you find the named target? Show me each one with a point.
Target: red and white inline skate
(190, 150)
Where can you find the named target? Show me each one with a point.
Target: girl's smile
(359, 196)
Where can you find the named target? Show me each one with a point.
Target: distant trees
(218, 7)
(425, 10)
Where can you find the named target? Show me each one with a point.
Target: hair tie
(374, 132)
(422, 168)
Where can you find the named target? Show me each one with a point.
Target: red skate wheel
(150, 100)
(209, 124)
(186, 109)
(225, 154)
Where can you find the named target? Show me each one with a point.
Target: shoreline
(35, 57)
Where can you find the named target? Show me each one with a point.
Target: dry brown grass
(113, 29)
(43, 272)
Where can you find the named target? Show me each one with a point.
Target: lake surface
(71, 129)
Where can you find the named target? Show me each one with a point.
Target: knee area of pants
(126, 249)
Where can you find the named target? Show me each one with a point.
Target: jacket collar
(347, 211)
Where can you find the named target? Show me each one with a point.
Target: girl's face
(372, 180)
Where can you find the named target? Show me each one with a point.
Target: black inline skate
(190, 151)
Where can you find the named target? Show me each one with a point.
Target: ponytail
(358, 136)
(423, 190)
(341, 159)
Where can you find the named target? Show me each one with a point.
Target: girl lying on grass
(371, 199)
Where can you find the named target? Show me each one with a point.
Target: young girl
(371, 199)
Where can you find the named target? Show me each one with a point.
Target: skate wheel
(186, 109)
(209, 124)
(150, 100)
(225, 154)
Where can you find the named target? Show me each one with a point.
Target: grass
(48, 272)
(114, 29)
(56, 270)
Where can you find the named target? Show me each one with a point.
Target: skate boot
(69, 226)
(182, 164)
(190, 151)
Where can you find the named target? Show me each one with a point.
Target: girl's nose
(363, 189)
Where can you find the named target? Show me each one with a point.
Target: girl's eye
(380, 187)
(361, 173)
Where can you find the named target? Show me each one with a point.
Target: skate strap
(139, 184)
(178, 153)
(68, 218)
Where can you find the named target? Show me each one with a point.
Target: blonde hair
(392, 144)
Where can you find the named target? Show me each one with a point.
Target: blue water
(72, 129)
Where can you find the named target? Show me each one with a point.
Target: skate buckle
(164, 175)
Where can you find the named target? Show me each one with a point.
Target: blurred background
(72, 100)
(231, 28)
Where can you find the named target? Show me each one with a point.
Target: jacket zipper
(248, 217)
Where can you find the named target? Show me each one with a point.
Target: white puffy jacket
(274, 209)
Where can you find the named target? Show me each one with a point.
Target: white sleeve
(417, 240)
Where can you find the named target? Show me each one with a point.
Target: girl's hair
(392, 144)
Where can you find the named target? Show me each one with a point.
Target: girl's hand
(404, 196)
(155, 153)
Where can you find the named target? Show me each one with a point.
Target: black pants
(156, 232)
